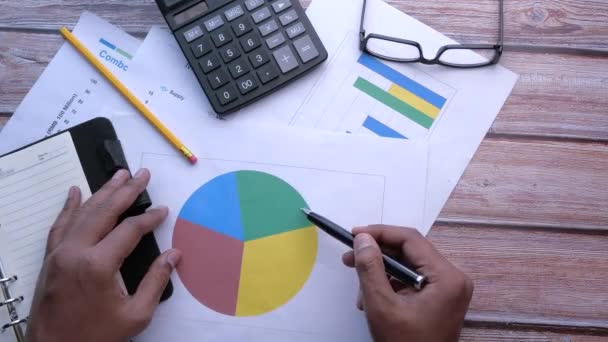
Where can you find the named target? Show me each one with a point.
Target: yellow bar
(414, 101)
(128, 95)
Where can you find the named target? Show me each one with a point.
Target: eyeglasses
(454, 56)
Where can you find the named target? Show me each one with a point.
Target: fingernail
(173, 258)
(140, 173)
(72, 192)
(163, 208)
(120, 174)
(363, 241)
(356, 229)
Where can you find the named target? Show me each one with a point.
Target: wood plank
(496, 335)
(560, 184)
(532, 22)
(531, 277)
(550, 22)
(23, 58)
(556, 96)
(3, 121)
(551, 184)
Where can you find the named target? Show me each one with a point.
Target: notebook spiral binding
(9, 302)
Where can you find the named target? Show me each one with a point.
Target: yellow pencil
(128, 95)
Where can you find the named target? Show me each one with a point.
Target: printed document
(253, 267)
(70, 91)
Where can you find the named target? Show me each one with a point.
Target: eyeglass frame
(498, 47)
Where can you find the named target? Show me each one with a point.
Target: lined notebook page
(34, 185)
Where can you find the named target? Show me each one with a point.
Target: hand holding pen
(406, 304)
(395, 310)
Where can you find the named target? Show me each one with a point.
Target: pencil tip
(305, 211)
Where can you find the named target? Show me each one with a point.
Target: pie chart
(247, 248)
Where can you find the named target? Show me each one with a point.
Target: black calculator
(243, 50)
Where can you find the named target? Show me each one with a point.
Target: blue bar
(381, 129)
(402, 80)
(106, 43)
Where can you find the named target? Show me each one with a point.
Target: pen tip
(305, 211)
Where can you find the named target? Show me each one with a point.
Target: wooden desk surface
(529, 219)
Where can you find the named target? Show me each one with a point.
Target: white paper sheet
(473, 96)
(326, 98)
(70, 91)
(34, 185)
(354, 180)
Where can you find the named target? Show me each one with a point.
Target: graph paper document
(253, 267)
(70, 91)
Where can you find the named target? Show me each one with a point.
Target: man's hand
(80, 295)
(396, 312)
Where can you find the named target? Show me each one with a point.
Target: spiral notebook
(34, 183)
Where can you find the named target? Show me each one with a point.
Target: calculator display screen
(191, 13)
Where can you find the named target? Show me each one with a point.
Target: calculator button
(209, 63)
(193, 33)
(295, 30)
(238, 68)
(288, 17)
(230, 53)
(269, 27)
(281, 5)
(275, 40)
(268, 73)
(221, 37)
(234, 12)
(218, 78)
(250, 42)
(253, 4)
(201, 47)
(261, 15)
(227, 95)
(258, 58)
(242, 26)
(247, 84)
(306, 49)
(286, 59)
(213, 23)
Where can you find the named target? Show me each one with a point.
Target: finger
(61, 226)
(398, 285)
(376, 289)
(414, 247)
(118, 180)
(360, 305)
(119, 243)
(151, 288)
(348, 259)
(109, 211)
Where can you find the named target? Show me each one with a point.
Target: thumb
(375, 286)
(152, 286)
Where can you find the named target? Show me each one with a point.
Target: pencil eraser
(193, 159)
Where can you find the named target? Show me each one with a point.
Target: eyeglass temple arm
(362, 27)
(501, 29)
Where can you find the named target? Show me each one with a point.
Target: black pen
(393, 268)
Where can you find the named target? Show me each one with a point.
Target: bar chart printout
(359, 93)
